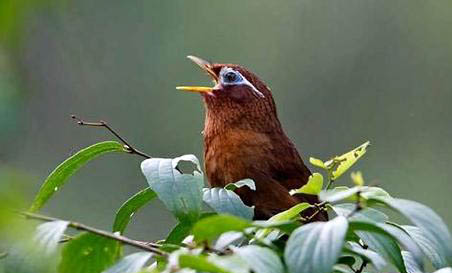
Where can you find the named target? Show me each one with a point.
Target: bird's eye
(231, 77)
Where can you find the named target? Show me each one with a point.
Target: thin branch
(318, 208)
(99, 232)
(3, 255)
(103, 124)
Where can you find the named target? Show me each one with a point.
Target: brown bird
(243, 138)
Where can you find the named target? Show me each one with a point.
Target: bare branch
(147, 247)
(103, 124)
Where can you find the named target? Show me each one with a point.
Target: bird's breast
(236, 154)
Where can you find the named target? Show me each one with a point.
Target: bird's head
(237, 93)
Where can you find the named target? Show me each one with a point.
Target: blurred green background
(342, 72)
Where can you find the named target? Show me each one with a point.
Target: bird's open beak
(205, 66)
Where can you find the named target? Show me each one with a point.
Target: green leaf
(365, 214)
(244, 182)
(209, 228)
(49, 234)
(61, 174)
(316, 247)
(228, 202)
(374, 258)
(132, 263)
(318, 163)
(179, 232)
(383, 238)
(200, 264)
(338, 194)
(282, 217)
(345, 161)
(410, 263)
(260, 259)
(427, 246)
(314, 185)
(350, 194)
(431, 225)
(180, 192)
(128, 209)
(88, 253)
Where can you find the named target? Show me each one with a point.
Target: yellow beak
(206, 67)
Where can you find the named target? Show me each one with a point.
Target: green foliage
(181, 192)
(359, 237)
(66, 169)
(89, 253)
(128, 209)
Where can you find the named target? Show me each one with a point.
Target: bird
(244, 139)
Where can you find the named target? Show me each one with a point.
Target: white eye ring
(241, 80)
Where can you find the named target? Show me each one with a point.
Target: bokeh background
(342, 72)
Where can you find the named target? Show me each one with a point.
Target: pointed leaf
(430, 224)
(66, 169)
(228, 202)
(132, 263)
(347, 160)
(314, 185)
(132, 205)
(180, 192)
(316, 247)
(427, 246)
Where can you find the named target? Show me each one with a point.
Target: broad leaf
(244, 182)
(132, 263)
(373, 257)
(427, 246)
(342, 193)
(209, 228)
(180, 192)
(88, 253)
(226, 201)
(316, 247)
(314, 185)
(365, 214)
(49, 234)
(383, 238)
(128, 209)
(339, 194)
(430, 224)
(66, 169)
(260, 259)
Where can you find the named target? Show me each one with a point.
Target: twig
(319, 207)
(3, 255)
(101, 123)
(99, 232)
(358, 205)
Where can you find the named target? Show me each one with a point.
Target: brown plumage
(243, 138)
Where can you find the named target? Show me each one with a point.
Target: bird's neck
(223, 116)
